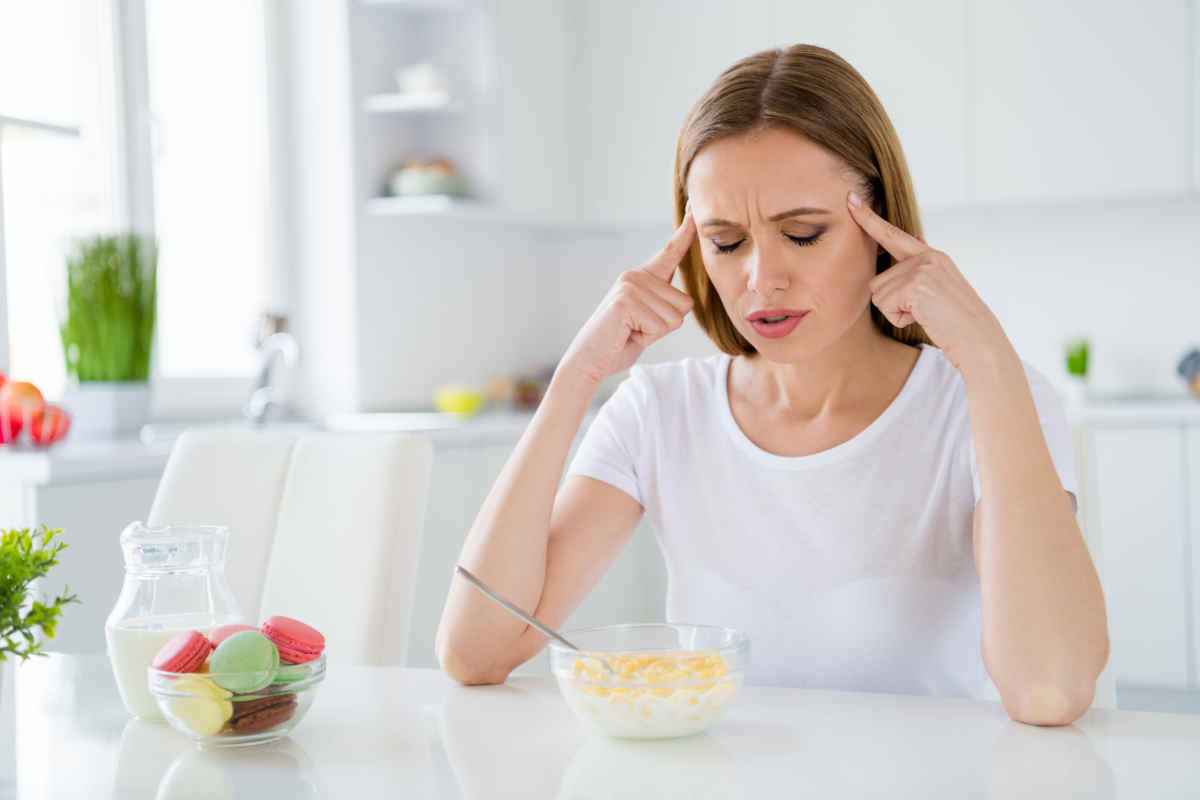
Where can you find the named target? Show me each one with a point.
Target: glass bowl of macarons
(237, 684)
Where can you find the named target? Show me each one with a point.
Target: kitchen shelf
(418, 5)
(442, 205)
(397, 103)
(453, 208)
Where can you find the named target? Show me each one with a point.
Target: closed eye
(800, 241)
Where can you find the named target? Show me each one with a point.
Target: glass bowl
(196, 704)
(673, 679)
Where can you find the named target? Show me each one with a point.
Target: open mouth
(779, 325)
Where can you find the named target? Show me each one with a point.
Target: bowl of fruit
(25, 416)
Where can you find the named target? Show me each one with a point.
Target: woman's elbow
(1049, 703)
(466, 672)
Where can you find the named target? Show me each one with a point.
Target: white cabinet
(533, 167)
(914, 56)
(1141, 506)
(1077, 99)
(1196, 97)
(641, 67)
(92, 515)
(1192, 488)
(993, 102)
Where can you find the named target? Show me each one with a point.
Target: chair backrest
(325, 527)
(234, 478)
(348, 540)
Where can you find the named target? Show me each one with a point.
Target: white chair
(233, 478)
(325, 527)
(348, 540)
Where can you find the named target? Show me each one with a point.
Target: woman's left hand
(926, 287)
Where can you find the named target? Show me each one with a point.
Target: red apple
(18, 402)
(10, 427)
(21, 397)
(49, 424)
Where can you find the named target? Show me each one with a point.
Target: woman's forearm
(1045, 636)
(506, 546)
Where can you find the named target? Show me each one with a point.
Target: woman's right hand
(641, 308)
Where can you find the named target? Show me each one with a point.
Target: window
(152, 115)
(207, 71)
(57, 165)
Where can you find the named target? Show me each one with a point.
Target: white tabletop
(400, 732)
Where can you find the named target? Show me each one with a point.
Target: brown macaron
(261, 713)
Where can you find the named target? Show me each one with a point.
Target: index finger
(663, 265)
(899, 243)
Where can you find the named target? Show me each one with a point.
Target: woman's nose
(764, 276)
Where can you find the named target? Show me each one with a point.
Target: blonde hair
(816, 93)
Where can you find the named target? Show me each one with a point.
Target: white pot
(1077, 392)
(103, 410)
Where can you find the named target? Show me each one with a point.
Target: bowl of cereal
(670, 679)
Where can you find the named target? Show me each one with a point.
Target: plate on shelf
(423, 204)
(407, 103)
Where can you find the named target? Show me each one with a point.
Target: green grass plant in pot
(1077, 358)
(107, 330)
(26, 557)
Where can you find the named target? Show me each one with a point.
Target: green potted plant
(1077, 353)
(107, 330)
(27, 556)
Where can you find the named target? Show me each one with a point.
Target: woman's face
(775, 233)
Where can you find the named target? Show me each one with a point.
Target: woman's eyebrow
(792, 212)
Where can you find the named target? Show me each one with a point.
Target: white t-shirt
(852, 568)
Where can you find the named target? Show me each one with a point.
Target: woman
(867, 479)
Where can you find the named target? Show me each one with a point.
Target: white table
(402, 732)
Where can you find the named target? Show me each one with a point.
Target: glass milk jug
(174, 581)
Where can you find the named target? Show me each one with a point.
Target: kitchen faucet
(264, 395)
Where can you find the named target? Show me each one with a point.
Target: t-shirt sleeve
(1056, 429)
(612, 445)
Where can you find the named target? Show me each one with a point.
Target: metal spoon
(523, 616)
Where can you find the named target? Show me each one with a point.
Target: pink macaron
(185, 652)
(223, 632)
(298, 643)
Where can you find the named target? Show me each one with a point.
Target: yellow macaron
(206, 707)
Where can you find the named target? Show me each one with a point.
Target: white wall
(1127, 276)
(418, 302)
(322, 206)
(445, 301)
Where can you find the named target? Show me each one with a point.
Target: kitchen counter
(376, 731)
(489, 427)
(1136, 411)
(73, 461)
(83, 460)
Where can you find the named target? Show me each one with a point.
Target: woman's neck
(859, 371)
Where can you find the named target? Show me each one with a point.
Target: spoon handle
(511, 608)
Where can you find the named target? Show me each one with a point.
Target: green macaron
(245, 662)
(291, 673)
